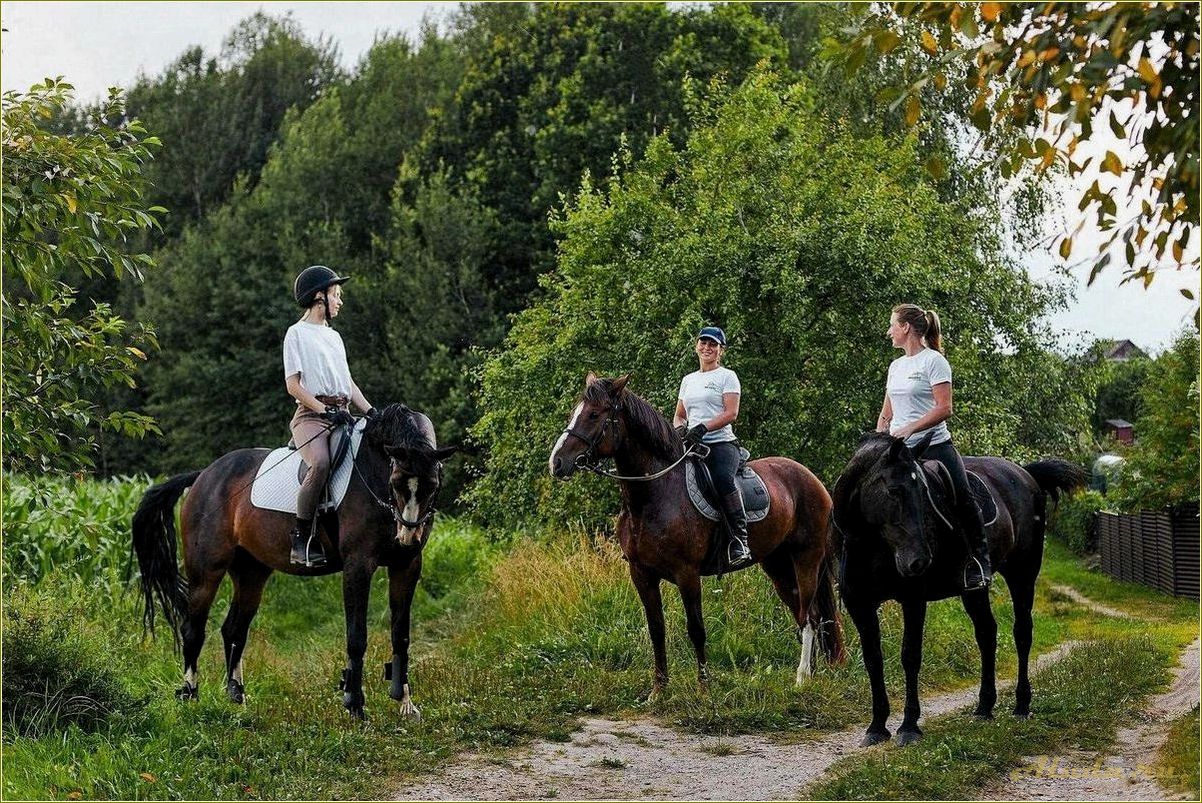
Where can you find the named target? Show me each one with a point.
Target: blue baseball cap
(713, 333)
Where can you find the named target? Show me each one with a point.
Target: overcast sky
(99, 44)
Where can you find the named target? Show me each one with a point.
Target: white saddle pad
(278, 479)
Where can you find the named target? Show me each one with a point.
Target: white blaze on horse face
(563, 436)
(405, 534)
(805, 669)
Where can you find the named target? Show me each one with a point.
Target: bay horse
(664, 537)
(384, 520)
(892, 523)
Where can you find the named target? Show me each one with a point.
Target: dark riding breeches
(967, 511)
(723, 462)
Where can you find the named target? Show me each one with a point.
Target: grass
(508, 646)
(1176, 764)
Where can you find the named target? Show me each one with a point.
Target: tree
(71, 203)
(798, 243)
(1045, 75)
(1162, 467)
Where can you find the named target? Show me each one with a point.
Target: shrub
(1074, 521)
(56, 670)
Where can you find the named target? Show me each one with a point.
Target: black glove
(682, 430)
(338, 417)
(694, 435)
(372, 412)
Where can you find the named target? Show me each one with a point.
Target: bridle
(392, 508)
(586, 461)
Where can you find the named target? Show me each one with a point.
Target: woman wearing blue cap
(707, 405)
(317, 376)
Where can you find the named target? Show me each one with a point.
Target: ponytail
(925, 324)
(933, 336)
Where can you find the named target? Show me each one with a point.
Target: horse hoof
(982, 716)
(409, 711)
(1022, 714)
(872, 737)
(905, 737)
(187, 692)
(236, 692)
(356, 712)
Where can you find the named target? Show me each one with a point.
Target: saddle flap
(984, 498)
(756, 501)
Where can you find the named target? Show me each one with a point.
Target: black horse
(894, 530)
(384, 520)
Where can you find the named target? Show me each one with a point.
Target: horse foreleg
(249, 576)
(690, 595)
(402, 582)
(783, 571)
(647, 585)
(869, 627)
(976, 603)
(914, 614)
(201, 590)
(356, 586)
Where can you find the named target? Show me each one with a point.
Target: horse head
(593, 429)
(882, 490)
(415, 474)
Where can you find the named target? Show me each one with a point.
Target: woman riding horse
(707, 405)
(317, 376)
(918, 402)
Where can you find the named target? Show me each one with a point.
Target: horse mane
(396, 425)
(645, 422)
(869, 450)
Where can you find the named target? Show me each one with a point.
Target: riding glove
(695, 434)
(338, 417)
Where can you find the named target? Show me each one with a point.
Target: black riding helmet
(311, 281)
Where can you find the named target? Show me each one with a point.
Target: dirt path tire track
(1118, 775)
(641, 759)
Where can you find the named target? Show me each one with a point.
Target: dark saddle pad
(701, 489)
(938, 477)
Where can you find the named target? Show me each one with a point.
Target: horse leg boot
(737, 553)
(306, 546)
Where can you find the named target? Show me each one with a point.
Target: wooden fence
(1158, 548)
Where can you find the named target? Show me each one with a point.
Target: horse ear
(590, 379)
(895, 449)
(445, 452)
(619, 386)
(920, 448)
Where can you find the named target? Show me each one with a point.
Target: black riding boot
(737, 553)
(306, 546)
(978, 574)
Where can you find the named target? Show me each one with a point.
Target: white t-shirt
(316, 352)
(701, 393)
(909, 386)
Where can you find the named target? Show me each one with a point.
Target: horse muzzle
(911, 565)
(561, 467)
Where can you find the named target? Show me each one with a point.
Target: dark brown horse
(894, 525)
(384, 520)
(664, 537)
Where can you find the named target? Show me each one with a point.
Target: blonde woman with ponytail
(918, 401)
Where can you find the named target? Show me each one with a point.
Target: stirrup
(743, 558)
(986, 577)
(311, 559)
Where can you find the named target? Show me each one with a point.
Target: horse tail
(825, 615)
(154, 543)
(1055, 476)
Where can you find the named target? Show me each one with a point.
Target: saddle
(280, 475)
(938, 477)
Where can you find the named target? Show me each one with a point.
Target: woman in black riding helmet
(707, 405)
(317, 376)
(918, 400)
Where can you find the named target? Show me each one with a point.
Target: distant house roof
(1118, 423)
(1124, 350)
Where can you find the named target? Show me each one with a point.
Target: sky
(98, 44)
